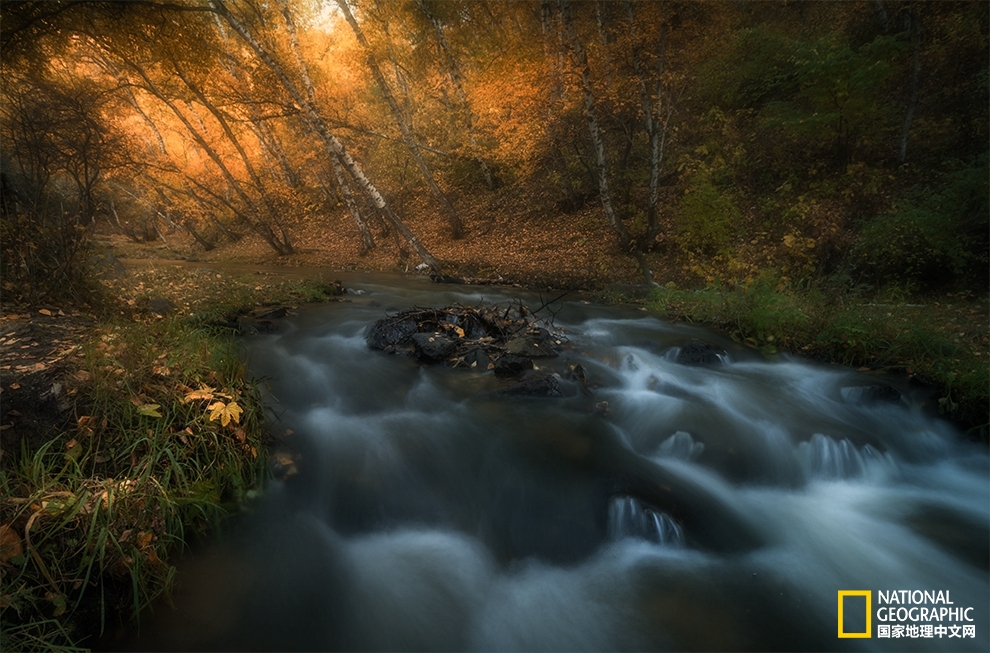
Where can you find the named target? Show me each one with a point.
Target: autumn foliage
(713, 139)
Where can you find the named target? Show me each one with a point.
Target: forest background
(808, 176)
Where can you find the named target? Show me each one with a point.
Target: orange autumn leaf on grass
(225, 412)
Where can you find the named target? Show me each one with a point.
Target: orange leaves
(226, 412)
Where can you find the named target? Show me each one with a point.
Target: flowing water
(676, 507)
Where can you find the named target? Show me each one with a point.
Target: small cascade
(824, 457)
(680, 446)
(628, 517)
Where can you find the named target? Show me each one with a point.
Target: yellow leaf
(225, 412)
(204, 392)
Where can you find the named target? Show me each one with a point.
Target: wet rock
(476, 359)
(870, 395)
(433, 346)
(251, 326)
(390, 331)
(544, 386)
(511, 364)
(698, 353)
(579, 374)
(160, 306)
(269, 312)
(653, 384)
(533, 346)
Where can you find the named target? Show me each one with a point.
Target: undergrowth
(169, 441)
(927, 340)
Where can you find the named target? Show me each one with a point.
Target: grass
(944, 345)
(169, 441)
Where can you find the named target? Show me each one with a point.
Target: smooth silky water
(714, 507)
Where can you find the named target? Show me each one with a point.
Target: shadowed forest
(808, 177)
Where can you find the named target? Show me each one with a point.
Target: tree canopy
(816, 137)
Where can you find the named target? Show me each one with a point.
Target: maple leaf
(204, 392)
(225, 412)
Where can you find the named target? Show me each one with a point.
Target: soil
(39, 363)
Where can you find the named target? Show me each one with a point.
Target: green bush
(933, 238)
(707, 220)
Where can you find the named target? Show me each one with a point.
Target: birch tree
(330, 142)
(450, 215)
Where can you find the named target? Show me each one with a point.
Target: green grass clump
(168, 442)
(938, 343)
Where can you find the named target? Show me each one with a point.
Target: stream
(719, 506)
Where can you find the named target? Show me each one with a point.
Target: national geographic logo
(853, 614)
(913, 614)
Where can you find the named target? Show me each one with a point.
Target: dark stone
(160, 306)
(476, 359)
(473, 329)
(544, 386)
(699, 353)
(433, 346)
(390, 331)
(510, 365)
(252, 326)
(868, 395)
(269, 312)
(531, 346)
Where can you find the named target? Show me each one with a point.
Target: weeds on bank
(853, 328)
(167, 443)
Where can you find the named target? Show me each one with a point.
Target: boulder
(390, 331)
(511, 364)
(544, 386)
(476, 359)
(698, 353)
(870, 395)
(531, 346)
(433, 346)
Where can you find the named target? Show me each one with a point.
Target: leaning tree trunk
(453, 220)
(259, 226)
(333, 146)
(285, 240)
(367, 241)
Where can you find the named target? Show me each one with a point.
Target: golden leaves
(225, 412)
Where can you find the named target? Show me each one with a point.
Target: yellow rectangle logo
(864, 593)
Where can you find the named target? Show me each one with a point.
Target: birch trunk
(367, 241)
(453, 220)
(601, 166)
(651, 119)
(333, 146)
